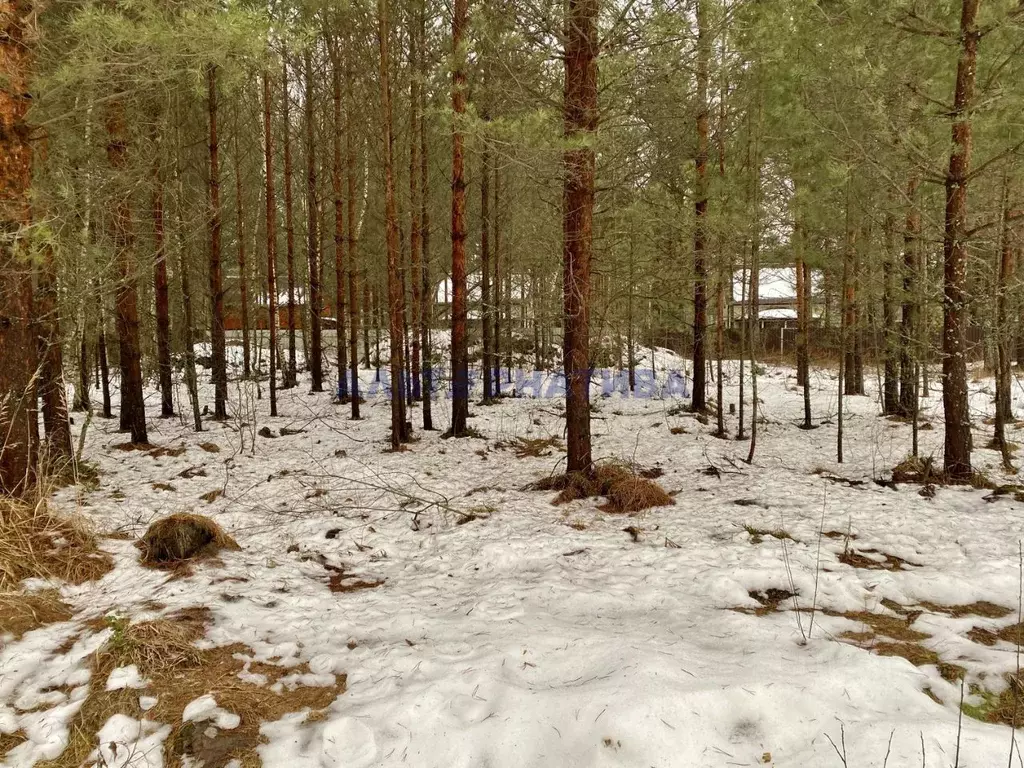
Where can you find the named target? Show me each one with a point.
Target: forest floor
(425, 608)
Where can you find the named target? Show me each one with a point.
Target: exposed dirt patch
(163, 487)
(342, 582)
(178, 673)
(162, 450)
(893, 627)
(771, 601)
(212, 496)
(860, 559)
(981, 608)
(210, 447)
(757, 534)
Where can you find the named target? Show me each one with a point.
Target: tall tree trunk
(890, 384)
(315, 361)
(339, 229)
(427, 302)
(849, 298)
(133, 410)
(803, 308)
(400, 432)
(291, 371)
(243, 276)
(19, 431)
(579, 168)
(415, 205)
(188, 326)
(501, 284)
(1004, 380)
(82, 402)
(352, 236)
(459, 342)
(102, 362)
(908, 318)
(957, 461)
(57, 454)
(700, 271)
(161, 293)
(219, 361)
(486, 310)
(271, 226)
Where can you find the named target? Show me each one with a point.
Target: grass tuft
(38, 543)
(178, 538)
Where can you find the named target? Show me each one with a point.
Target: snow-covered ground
(508, 632)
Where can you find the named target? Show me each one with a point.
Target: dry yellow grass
(37, 543)
(22, 612)
(626, 491)
(175, 539)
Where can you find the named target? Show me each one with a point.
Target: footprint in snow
(348, 742)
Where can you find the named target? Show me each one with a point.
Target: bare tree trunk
(271, 226)
(579, 167)
(486, 310)
(803, 291)
(427, 302)
(315, 361)
(890, 386)
(341, 392)
(352, 238)
(908, 319)
(243, 277)
(849, 298)
(162, 297)
(102, 363)
(188, 326)
(499, 283)
(957, 461)
(81, 402)
(700, 270)
(459, 343)
(19, 431)
(133, 410)
(1004, 381)
(220, 372)
(416, 190)
(57, 427)
(400, 432)
(291, 371)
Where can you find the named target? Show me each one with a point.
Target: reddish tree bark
(291, 370)
(340, 287)
(957, 459)
(219, 362)
(315, 362)
(243, 275)
(400, 432)
(908, 318)
(486, 314)
(427, 302)
(415, 206)
(459, 343)
(579, 168)
(161, 296)
(271, 226)
(18, 420)
(700, 271)
(352, 236)
(133, 412)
